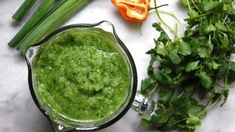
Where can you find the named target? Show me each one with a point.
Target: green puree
(82, 74)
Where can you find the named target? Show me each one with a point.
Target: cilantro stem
(189, 7)
(170, 14)
(140, 29)
(225, 83)
(217, 100)
(225, 89)
(181, 94)
(219, 85)
(194, 90)
(197, 17)
(225, 19)
(161, 20)
(157, 7)
(176, 31)
(212, 93)
(152, 93)
(196, 6)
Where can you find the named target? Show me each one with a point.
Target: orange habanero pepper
(133, 10)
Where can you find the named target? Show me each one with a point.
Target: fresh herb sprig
(195, 70)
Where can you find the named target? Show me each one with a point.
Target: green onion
(57, 4)
(24, 8)
(34, 20)
(52, 22)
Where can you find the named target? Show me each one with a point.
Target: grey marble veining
(18, 113)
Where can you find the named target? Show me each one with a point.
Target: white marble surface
(18, 112)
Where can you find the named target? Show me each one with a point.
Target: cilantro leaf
(191, 66)
(205, 79)
(184, 48)
(174, 57)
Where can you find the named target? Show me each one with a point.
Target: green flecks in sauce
(82, 74)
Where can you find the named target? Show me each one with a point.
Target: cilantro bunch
(195, 71)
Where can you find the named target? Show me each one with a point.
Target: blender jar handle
(143, 105)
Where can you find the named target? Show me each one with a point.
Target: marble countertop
(18, 113)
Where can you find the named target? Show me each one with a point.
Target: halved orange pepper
(133, 10)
